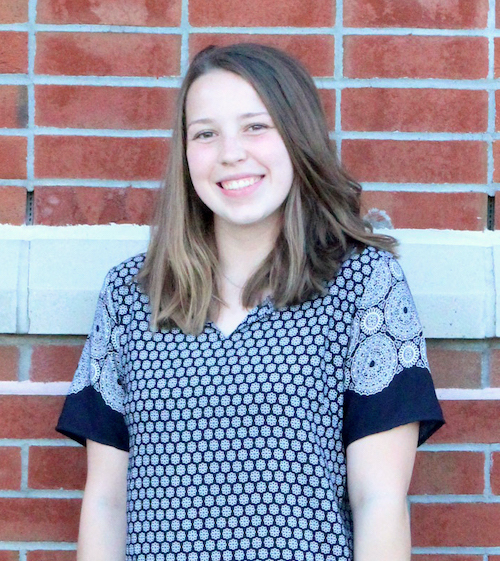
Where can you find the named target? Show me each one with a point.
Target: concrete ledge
(10, 252)
(453, 275)
(65, 279)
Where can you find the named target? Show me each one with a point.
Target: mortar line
(454, 499)
(43, 442)
(322, 82)
(367, 186)
(167, 133)
(41, 494)
(185, 31)
(338, 73)
(256, 30)
(33, 546)
(24, 466)
(25, 352)
(30, 159)
(478, 550)
(22, 27)
(487, 472)
(491, 92)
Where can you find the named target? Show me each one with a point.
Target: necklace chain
(231, 282)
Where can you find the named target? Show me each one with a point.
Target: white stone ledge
(50, 277)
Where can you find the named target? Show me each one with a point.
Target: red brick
(455, 525)
(283, 13)
(454, 368)
(415, 57)
(54, 363)
(495, 473)
(497, 112)
(39, 519)
(496, 156)
(328, 101)
(414, 110)
(159, 13)
(9, 556)
(497, 56)
(100, 157)
(13, 106)
(10, 468)
(14, 11)
(13, 52)
(316, 52)
(13, 160)
(469, 421)
(89, 107)
(26, 416)
(448, 473)
(447, 14)
(57, 468)
(495, 353)
(447, 557)
(57, 556)
(444, 211)
(400, 161)
(107, 54)
(58, 206)
(9, 355)
(12, 211)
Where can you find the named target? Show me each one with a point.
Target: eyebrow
(243, 116)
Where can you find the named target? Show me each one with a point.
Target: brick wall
(86, 93)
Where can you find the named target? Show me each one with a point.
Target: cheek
(198, 163)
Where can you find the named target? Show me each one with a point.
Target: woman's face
(238, 162)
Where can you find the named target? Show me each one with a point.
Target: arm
(379, 469)
(102, 534)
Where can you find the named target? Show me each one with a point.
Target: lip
(244, 191)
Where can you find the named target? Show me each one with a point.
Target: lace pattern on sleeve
(99, 364)
(386, 334)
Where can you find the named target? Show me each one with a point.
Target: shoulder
(367, 260)
(366, 271)
(125, 272)
(120, 285)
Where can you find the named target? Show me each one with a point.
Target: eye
(258, 127)
(203, 135)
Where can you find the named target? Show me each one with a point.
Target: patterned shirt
(237, 443)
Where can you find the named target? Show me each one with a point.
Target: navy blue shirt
(237, 443)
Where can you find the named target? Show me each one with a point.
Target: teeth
(239, 183)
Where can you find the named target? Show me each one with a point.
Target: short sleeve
(388, 377)
(94, 406)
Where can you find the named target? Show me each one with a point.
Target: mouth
(237, 184)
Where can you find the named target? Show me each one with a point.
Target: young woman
(256, 385)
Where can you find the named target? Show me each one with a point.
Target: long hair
(321, 223)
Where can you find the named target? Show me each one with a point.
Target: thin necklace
(230, 281)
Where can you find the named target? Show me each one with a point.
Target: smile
(234, 184)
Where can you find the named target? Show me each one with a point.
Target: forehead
(220, 93)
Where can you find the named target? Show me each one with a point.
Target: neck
(242, 249)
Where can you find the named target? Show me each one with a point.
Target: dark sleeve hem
(82, 439)
(427, 428)
(85, 415)
(410, 397)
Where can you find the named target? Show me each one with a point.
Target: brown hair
(321, 223)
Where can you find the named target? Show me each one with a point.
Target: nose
(232, 150)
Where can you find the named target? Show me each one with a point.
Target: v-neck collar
(266, 307)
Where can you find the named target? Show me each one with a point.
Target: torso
(236, 434)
